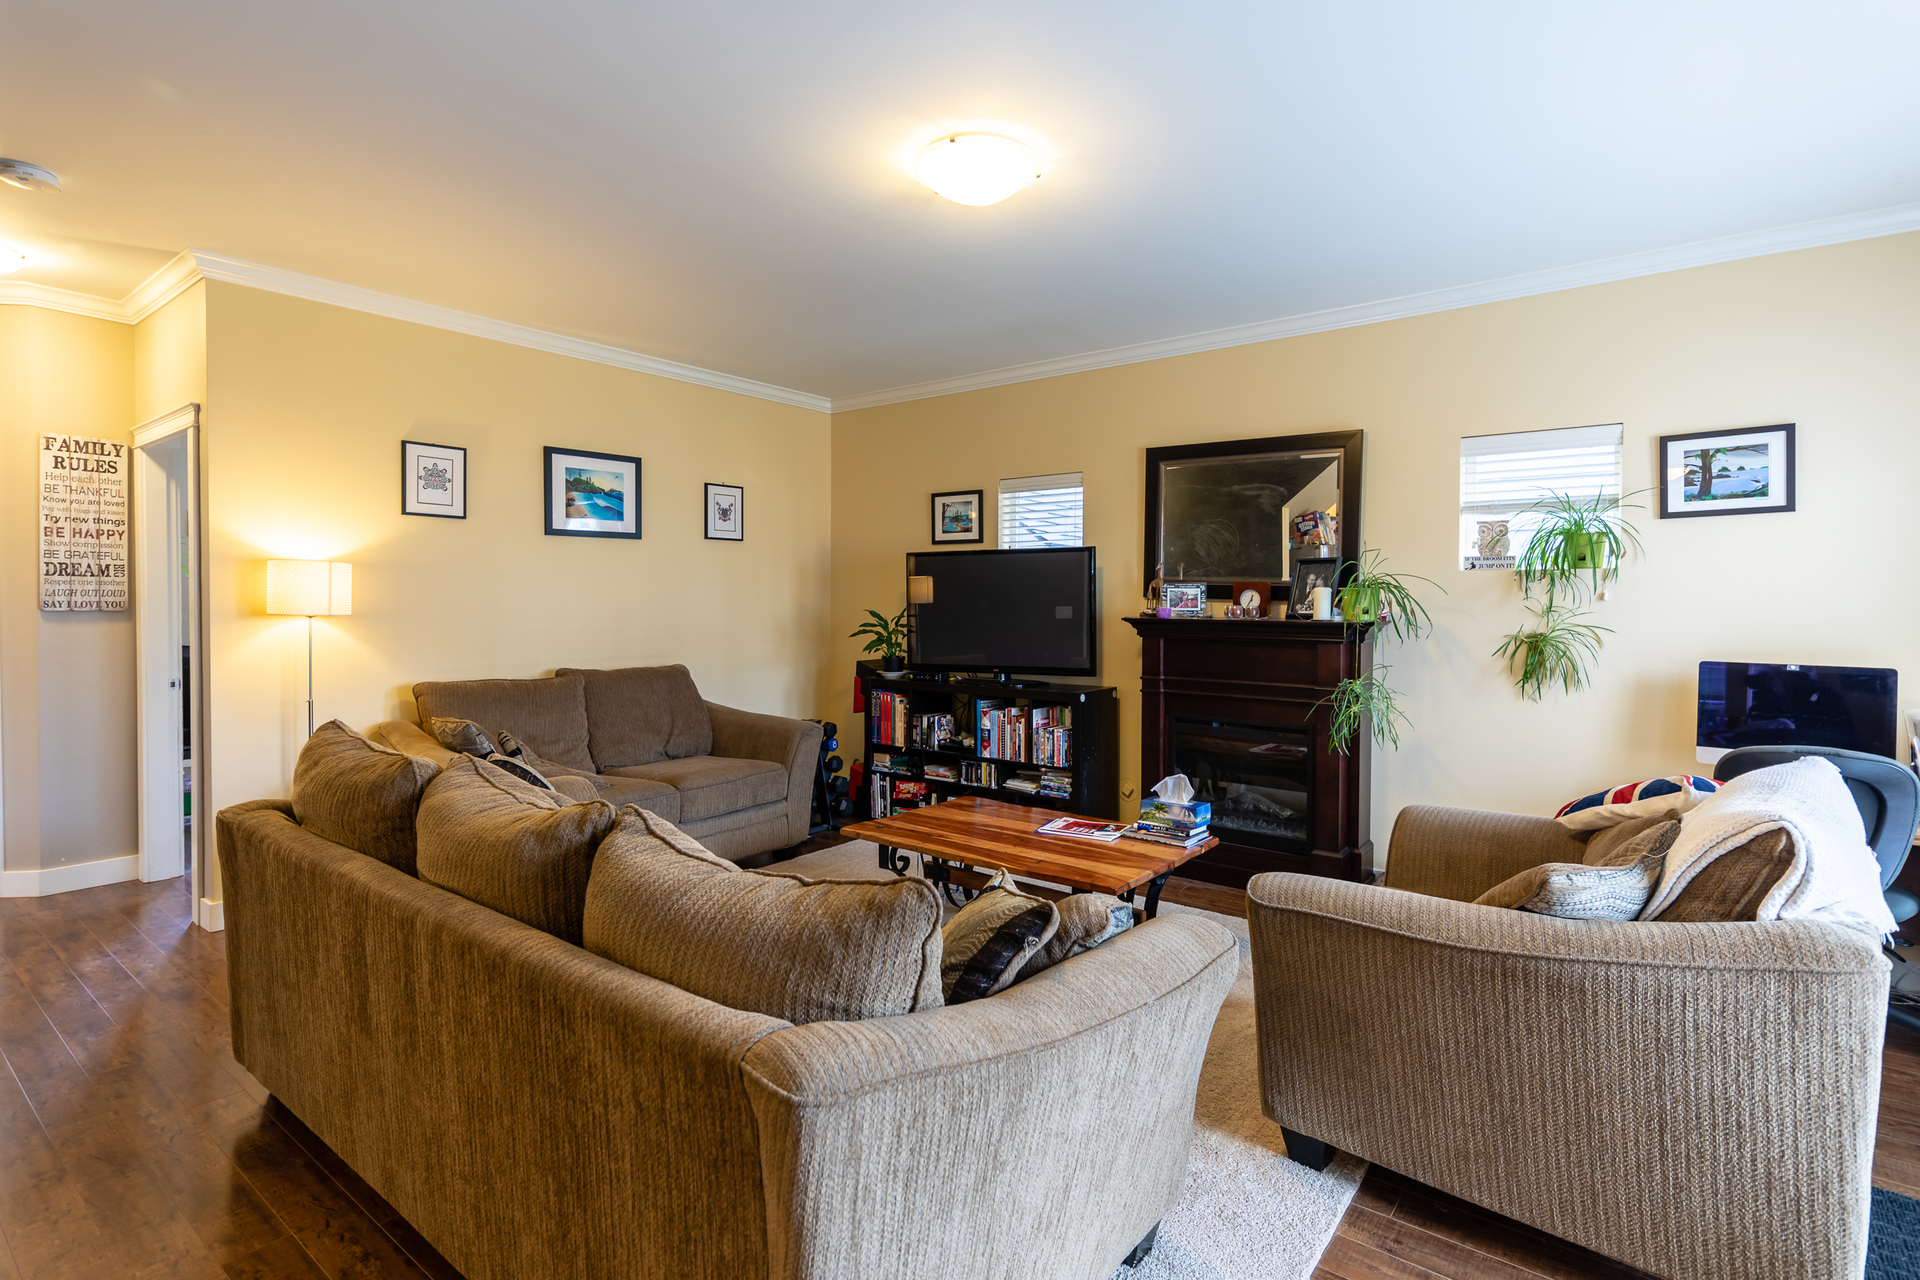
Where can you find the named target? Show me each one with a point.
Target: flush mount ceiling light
(977, 168)
(11, 259)
(28, 177)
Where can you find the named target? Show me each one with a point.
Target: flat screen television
(1005, 612)
(1756, 704)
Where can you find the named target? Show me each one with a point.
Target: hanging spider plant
(1576, 537)
(1364, 700)
(1384, 598)
(1558, 646)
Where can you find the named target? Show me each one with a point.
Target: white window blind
(1501, 476)
(1041, 511)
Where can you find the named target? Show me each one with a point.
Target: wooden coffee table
(974, 832)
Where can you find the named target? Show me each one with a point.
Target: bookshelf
(928, 739)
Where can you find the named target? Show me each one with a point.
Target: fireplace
(1257, 777)
(1238, 706)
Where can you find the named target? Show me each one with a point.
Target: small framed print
(1308, 574)
(724, 512)
(1184, 599)
(1727, 473)
(433, 480)
(959, 517)
(592, 495)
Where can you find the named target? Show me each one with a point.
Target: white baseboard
(77, 875)
(210, 915)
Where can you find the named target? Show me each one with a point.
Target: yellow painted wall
(170, 355)
(306, 407)
(66, 679)
(1825, 338)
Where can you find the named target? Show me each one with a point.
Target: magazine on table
(1083, 829)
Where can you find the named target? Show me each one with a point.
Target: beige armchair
(1697, 1100)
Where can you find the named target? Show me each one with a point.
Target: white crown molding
(214, 266)
(1701, 253)
(157, 429)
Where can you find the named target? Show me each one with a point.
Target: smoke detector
(28, 177)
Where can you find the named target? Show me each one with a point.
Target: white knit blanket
(1833, 876)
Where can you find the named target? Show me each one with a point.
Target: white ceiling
(723, 184)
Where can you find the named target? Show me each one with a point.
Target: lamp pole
(309, 675)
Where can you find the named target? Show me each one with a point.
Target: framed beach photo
(959, 517)
(725, 503)
(433, 480)
(1727, 473)
(592, 495)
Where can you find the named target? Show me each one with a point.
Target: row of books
(1045, 782)
(887, 717)
(1030, 735)
(893, 795)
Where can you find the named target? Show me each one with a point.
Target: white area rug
(1248, 1212)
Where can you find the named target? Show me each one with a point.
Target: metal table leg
(1153, 895)
(895, 860)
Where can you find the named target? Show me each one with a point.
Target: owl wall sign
(1492, 548)
(724, 512)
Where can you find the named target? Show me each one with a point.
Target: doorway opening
(167, 612)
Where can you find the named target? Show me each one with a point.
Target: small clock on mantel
(1253, 598)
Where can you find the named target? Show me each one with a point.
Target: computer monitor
(1754, 704)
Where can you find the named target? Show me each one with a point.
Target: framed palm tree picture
(1727, 473)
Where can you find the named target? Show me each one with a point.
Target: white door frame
(157, 643)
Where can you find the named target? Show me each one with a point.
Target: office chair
(1888, 796)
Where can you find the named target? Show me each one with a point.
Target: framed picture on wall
(1727, 473)
(725, 512)
(959, 517)
(592, 495)
(1308, 574)
(433, 480)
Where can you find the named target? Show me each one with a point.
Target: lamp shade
(314, 588)
(920, 589)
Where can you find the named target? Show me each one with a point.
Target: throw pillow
(783, 945)
(1733, 885)
(1086, 921)
(360, 794)
(1606, 808)
(508, 845)
(987, 942)
(521, 770)
(1576, 891)
(1610, 846)
(464, 736)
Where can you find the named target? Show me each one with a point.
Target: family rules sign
(83, 523)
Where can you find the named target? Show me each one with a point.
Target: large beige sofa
(739, 782)
(1695, 1099)
(536, 1110)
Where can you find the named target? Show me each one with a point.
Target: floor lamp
(316, 589)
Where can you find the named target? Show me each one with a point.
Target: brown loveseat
(1695, 1099)
(739, 782)
(537, 1111)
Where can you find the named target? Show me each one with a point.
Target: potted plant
(1384, 599)
(1558, 646)
(886, 637)
(1371, 595)
(1576, 537)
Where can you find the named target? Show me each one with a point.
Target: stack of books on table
(1164, 822)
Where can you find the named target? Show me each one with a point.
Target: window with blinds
(1501, 476)
(1040, 511)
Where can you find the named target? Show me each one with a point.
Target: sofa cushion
(1733, 885)
(644, 793)
(360, 794)
(520, 850)
(1086, 921)
(637, 715)
(463, 736)
(712, 785)
(783, 945)
(549, 716)
(988, 941)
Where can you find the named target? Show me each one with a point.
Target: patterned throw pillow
(463, 736)
(1681, 792)
(984, 946)
(520, 769)
(1086, 921)
(1618, 890)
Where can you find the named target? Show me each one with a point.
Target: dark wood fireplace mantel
(1216, 690)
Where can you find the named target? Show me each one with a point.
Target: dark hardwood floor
(133, 1145)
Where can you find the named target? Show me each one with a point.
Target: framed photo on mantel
(1219, 512)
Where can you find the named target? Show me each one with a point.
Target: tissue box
(1178, 813)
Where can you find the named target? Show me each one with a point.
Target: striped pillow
(1615, 805)
(984, 946)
